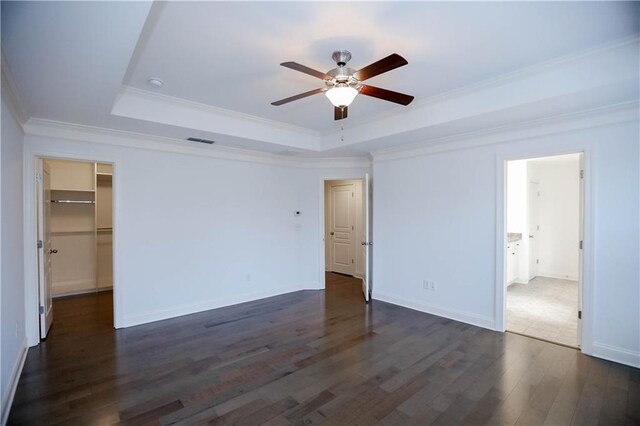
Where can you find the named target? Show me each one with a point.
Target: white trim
(192, 308)
(454, 314)
(492, 82)
(7, 398)
(10, 90)
(547, 274)
(210, 109)
(30, 157)
(321, 228)
(616, 354)
(77, 132)
(77, 293)
(62, 288)
(586, 340)
(618, 113)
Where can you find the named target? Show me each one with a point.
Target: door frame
(30, 160)
(321, 228)
(586, 338)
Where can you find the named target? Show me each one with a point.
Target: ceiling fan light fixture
(341, 95)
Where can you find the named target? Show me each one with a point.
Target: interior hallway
(546, 308)
(310, 357)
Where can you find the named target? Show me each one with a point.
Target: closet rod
(74, 201)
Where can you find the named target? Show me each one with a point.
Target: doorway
(75, 238)
(345, 233)
(543, 256)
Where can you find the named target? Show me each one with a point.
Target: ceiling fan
(344, 83)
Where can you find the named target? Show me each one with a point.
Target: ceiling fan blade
(387, 95)
(298, 67)
(389, 63)
(298, 96)
(339, 113)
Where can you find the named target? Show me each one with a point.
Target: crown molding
(611, 114)
(121, 138)
(227, 113)
(10, 90)
(496, 81)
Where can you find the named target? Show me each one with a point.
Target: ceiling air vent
(210, 142)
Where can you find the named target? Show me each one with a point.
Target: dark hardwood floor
(310, 357)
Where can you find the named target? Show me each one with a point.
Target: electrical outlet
(429, 285)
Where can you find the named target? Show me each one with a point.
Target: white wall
(517, 217)
(358, 226)
(193, 233)
(435, 218)
(13, 341)
(559, 203)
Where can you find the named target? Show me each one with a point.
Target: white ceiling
(70, 60)
(227, 55)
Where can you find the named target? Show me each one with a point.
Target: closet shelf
(72, 190)
(73, 201)
(88, 231)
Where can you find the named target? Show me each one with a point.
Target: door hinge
(39, 244)
(352, 195)
(353, 261)
(352, 227)
(38, 177)
(537, 261)
(579, 314)
(41, 310)
(581, 244)
(581, 174)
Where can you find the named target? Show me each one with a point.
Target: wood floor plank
(310, 358)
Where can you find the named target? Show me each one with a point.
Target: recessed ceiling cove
(227, 54)
(210, 70)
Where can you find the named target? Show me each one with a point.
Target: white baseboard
(466, 317)
(7, 398)
(313, 286)
(192, 308)
(517, 281)
(73, 287)
(616, 354)
(558, 276)
(77, 293)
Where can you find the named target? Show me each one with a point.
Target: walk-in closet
(81, 227)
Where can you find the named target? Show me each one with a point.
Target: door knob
(53, 251)
(330, 233)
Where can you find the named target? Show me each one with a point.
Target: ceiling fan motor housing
(342, 74)
(341, 57)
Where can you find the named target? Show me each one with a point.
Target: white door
(368, 235)
(534, 228)
(342, 228)
(45, 250)
(580, 249)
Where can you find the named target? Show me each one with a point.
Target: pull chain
(341, 132)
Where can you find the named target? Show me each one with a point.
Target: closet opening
(75, 244)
